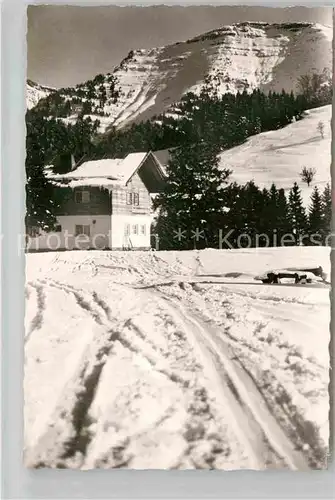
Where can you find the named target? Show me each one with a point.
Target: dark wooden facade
(99, 201)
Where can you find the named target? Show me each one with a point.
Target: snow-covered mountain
(36, 92)
(239, 57)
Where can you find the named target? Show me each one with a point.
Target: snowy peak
(243, 56)
(36, 92)
(240, 57)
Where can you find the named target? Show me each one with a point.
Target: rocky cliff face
(36, 92)
(240, 57)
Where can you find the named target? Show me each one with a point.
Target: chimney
(73, 163)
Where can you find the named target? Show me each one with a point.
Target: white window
(82, 229)
(82, 196)
(136, 199)
(127, 229)
(135, 229)
(133, 199)
(143, 230)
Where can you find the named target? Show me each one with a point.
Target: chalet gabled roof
(106, 172)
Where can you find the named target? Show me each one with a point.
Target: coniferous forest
(239, 216)
(198, 196)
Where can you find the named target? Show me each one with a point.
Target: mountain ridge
(238, 57)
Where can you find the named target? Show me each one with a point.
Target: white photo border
(17, 481)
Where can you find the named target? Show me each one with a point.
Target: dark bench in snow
(273, 277)
(298, 274)
(317, 271)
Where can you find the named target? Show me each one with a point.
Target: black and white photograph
(177, 237)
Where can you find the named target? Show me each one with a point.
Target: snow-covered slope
(238, 57)
(278, 156)
(36, 92)
(166, 360)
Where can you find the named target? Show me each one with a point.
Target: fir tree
(276, 215)
(272, 209)
(315, 217)
(250, 212)
(232, 219)
(297, 214)
(263, 224)
(283, 224)
(40, 207)
(327, 211)
(193, 198)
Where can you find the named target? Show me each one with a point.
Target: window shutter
(85, 196)
(78, 196)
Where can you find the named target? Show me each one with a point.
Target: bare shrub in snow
(307, 175)
(321, 129)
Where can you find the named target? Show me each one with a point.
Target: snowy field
(279, 156)
(175, 360)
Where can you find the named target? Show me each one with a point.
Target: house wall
(119, 198)
(132, 241)
(100, 234)
(107, 232)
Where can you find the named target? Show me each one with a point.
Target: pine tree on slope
(283, 223)
(272, 209)
(276, 213)
(327, 211)
(250, 214)
(40, 206)
(193, 198)
(296, 214)
(315, 217)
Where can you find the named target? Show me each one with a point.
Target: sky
(68, 45)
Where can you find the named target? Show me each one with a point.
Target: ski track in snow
(37, 320)
(130, 337)
(265, 442)
(245, 393)
(154, 379)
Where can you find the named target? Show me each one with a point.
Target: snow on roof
(103, 172)
(102, 182)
